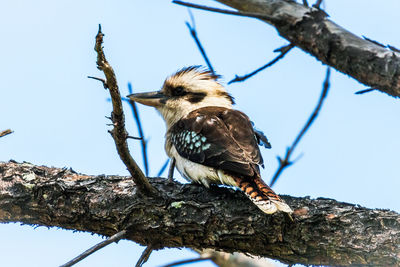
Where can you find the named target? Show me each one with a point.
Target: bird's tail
(262, 195)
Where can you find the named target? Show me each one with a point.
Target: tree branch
(224, 11)
(283, 51)
(117, 116)
(311, 30)
(193, 33)
(325, 231)
(5, 132)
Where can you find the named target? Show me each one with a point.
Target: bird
(209, 140)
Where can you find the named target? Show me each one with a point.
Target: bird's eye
(178, 91)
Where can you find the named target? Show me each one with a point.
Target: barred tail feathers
(262, 195)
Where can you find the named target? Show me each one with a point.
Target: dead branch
(119, 132)
(311, 30)
(325, 231)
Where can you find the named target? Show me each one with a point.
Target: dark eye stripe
(196, 97)
(178, 91)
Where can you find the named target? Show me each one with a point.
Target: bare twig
(305, 3)
(226, 11)
(171, 170)
(119, 132)
(318, 4)
(163, 168)
(283, 163)
(101, 80)
(193, 32)
(115, 238)
(365, 91)
(6, 132)
(283, 51)
(145, 256)
(134, 137)
(140, 130)
(187, 261)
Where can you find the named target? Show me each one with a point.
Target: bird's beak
(153, 99)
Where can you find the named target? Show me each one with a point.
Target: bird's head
(186, 90)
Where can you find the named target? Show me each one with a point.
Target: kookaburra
(211, 142)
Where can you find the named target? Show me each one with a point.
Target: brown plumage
(224, 138)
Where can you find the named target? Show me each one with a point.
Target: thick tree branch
(117, 116)
(324, 232)
(311, 30)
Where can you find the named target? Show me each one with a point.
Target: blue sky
(58, 115)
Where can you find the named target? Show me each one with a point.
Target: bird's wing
(218, 137)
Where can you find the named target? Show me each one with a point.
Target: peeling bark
(309, 29)
(324, 232)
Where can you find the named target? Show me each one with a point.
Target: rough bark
(309, 29)
(324, 232)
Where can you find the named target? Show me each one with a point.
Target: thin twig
(226, 11)
(365, 91)
(99, 79)
(115, 238)
(286, 161)
(187, 261)
(305, 3)
(318, 4)
(163, 168)
(283, 51)
(119, 132)
(6, 132)
(145, 256)
(134, 137)
(193, 32)
(171, 170)
(140, 130)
